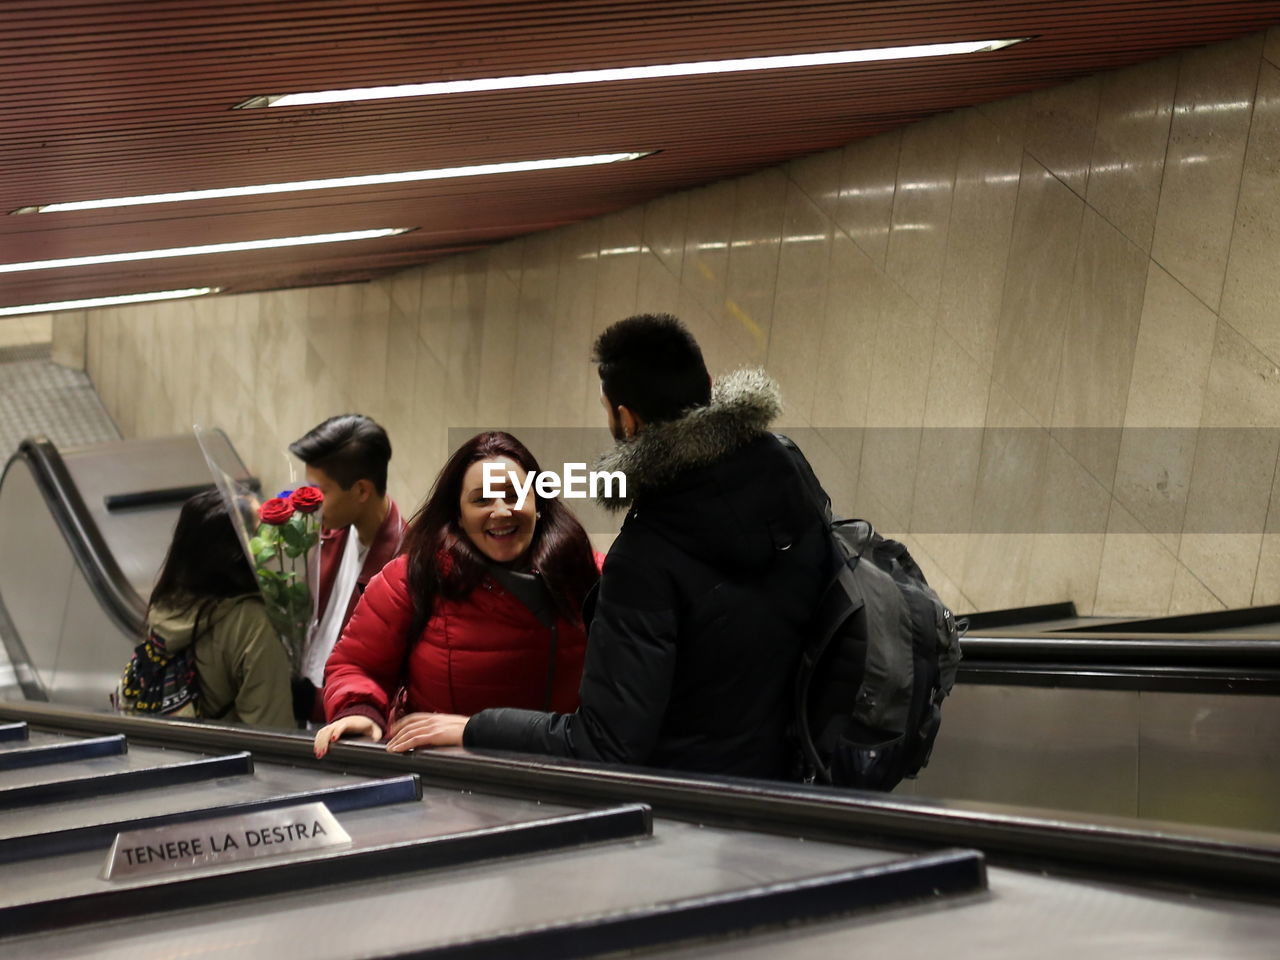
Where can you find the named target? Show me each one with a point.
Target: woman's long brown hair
(443, 562)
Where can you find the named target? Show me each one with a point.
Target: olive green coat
(241, 665)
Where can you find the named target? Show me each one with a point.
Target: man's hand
(426, 730)
(346, 727)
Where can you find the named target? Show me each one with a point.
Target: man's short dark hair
(651, 364)
(348, 448)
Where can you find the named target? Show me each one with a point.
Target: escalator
(82, 534)
(458, 854)
(450, 854)
(1167, 718)
(1174, 718)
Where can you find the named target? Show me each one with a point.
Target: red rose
(275, 512)
(307, 499)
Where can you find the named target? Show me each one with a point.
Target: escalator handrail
(1112, 648)
(106, 580)
(1175, 854)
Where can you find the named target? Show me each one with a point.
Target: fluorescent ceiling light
(196, 251)
(443, 173)
(630, 73)
(106, 301)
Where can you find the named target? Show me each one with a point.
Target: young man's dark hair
(651, 364)
(348, 448)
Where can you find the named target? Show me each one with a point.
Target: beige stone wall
(1103, 254)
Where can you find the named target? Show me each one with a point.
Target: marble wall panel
(1234, 471)
(946, 476)
(868, 178)
(1060, 129)
(663, 231)
(1066, 549)
(1190, 595)
(405, 304)
(572, 322)
(1271, 50)
(1103, 316)
(657, 289)
(530, 389)
(1037, 289)
(1031, 303)
(631, 279)
(1127, 164)
(804, 262)
(436, 308)
(472, 316)
(1172, 357)
(922, 208)
(1005, 512)
(1135, 577)
(751, 283)
(986, 192)
(369, 355)
(1203, 165)
(708, 233)
(1266, 583)
(497, 355)
(1009, 114)
(900, 366)
(818, 175)
(850, 321)
(1252, 290)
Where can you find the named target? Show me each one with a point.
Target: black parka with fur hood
(702, 609)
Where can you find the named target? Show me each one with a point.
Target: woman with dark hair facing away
(207, 598)
(481, 609)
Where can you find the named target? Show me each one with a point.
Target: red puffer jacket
(485, 651)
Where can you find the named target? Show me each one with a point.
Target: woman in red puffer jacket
(481, 609)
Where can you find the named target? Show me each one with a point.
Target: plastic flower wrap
(287, 532)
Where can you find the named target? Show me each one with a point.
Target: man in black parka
(702, 608)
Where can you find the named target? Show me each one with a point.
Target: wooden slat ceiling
(102, 99)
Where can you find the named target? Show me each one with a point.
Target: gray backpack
(883, 656)
(881, 659)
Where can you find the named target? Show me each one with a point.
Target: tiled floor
(39, 397)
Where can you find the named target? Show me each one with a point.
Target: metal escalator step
(733, 912)
(355, 796)
(70, 751)
(143, 778)
(256, 879)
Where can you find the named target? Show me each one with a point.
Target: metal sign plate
(198, 843)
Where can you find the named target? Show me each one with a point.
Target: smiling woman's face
(499, 531)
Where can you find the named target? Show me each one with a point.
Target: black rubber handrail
(1237, 618)
(165, 496)
(1181, 855)
(1131, 649)
(1017, 616)
(107, 582)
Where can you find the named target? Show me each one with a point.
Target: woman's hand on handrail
(354, 726)
(426, 730)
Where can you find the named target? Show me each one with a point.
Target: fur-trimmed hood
(743, 404)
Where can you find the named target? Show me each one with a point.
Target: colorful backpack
(156, 683)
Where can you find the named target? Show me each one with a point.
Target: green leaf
(294, 538)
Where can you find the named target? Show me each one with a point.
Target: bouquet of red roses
(288, 530)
